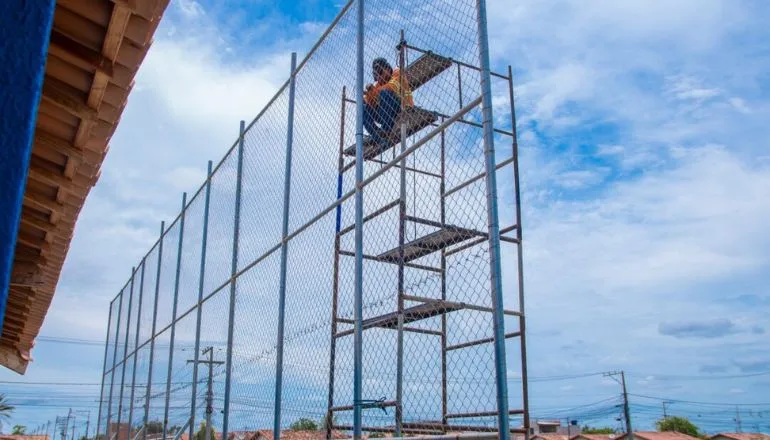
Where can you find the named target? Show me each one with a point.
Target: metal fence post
(493, 223)
(284, 254)
(104, 369)
(136, 346)
(125, 346)
(173, 313)
(154, 328)
(114, 358)
(359, 219)
(234, 270)
(199, 311)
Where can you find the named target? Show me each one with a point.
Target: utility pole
(88, 422)
(738, 427)
(47, 427)
(665, 414)
(209, 387)
(626, 408)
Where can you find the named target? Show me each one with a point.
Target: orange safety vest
(394, 85)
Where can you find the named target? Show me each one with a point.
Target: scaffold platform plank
(427, 244)
(412, 314)
(415, 118)
(425, 68)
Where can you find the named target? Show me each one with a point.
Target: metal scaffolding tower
(425, 315)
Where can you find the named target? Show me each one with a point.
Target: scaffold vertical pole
(199, 310)
(520, 260)
(154, 329)
(284, 254)
(493, 222)
(401, 240)
(174, 312)
(233, 283)
(359, 230)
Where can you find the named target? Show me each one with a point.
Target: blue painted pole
(359, 223)
(136, 346)
(234, 270)
(284, 255)
(114, 359)
(154, 329)
(125, 347)
(199, 311)
(104, 369)
(496, 283)
(173, 313)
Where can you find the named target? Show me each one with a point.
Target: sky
(645, 174)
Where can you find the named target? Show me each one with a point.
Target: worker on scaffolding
(383, 101)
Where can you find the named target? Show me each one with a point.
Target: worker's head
(381, 70)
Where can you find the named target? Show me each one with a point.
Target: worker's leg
(388, 109)
(370, 121)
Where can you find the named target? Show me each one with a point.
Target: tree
(677, 424)
(304, 425)
(19, 430)
(154, 427)
(201, 434)
(5, 408)
(589, 430)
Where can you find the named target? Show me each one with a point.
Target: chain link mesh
(428, 353)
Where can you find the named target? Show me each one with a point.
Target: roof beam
(79, 55)
(67, 98)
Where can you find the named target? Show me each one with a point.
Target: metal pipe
(154, 325)
(136, 343)
(481, 414)
(104, 368)
(125, 346)
(401, 240)
(173, 312)
(477, 177)
(335, 282)
(233, 281)
(199, 311)
(480, 342)
(442, 190)
(520, 259)
(284, 255)
(373, 215)
(114, 358)
(496, 283)
(359, 215)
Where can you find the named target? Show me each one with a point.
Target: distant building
(740, 436)
(654, 435)
(554, 427)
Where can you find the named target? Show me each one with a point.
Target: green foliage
(201, 434)
(5, 409)
(154, 427)
(589, 430)
(677, 424)
(325, 422)
(19, 430)
(304, 425)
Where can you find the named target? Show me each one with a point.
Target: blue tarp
(25, 26)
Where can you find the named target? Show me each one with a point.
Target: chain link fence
(341, 269)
